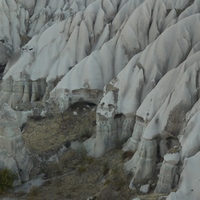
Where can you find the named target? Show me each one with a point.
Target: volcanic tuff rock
(189, 180)
(168, 171)
(13, 154)
(138, 60)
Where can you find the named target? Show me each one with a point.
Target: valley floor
(68, 173)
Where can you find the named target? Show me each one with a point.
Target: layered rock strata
(168, 173)
(143, 163)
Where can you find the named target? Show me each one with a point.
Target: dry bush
(127, 155)
(34, 192)
(6, 179)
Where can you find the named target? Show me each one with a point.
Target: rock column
(143, 163)
(13, 154)
(167, 173)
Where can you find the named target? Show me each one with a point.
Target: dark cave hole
(2, 41)
(2, 67)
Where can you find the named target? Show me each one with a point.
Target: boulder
(145, 188)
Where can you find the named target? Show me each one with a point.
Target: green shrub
(6, 179)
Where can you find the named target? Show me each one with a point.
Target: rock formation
(141, 69)
(168, 172)
(189, 180)
(13, 153)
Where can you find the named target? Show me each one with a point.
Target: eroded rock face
(5, 52)
(189, 138)
(146, 67)
(105, 139)
(133, 142)
(168, 172)
(71, 49)
(189, 180)
(13, 154)
(112, 129)
(143, 163)
(127, 129)
(162, 110)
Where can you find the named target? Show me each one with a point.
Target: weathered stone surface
(166, 181)
(143, 163)
(133, 142)
(110, 132)
(22, 117)
(13, 154)
(166, 178)
(145, 188)
(162, 198)
(5, 51)
(189, 180)
(131, 186)
(127, 128)
(147, 66)
(105, 139)
(163, 147)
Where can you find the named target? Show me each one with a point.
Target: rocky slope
(137, 60)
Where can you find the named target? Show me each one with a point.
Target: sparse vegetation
(50, 133)
(117, 178)
(76, 175)
(127, 155)
(53, 169)
(33, 192)
(105, 168)
(108, 194)
(24, 39)
(81, 169)
(174, 149)
(85, 134)
(119, 143)
(6, 179)
(36, 117)
(90, 160)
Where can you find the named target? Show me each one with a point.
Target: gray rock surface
(189, 184)
(5, 52)
(143, 163)
(162, 198)
(166, 178)
(142, 70)
(145, 188)
(134, 140)
(13, 154)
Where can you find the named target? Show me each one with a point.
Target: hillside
(135, 62)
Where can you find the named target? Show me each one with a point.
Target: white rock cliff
(137, 60)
